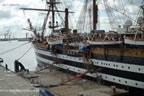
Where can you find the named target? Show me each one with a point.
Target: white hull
(104, 42)
(55, 42)
(101, 63)
(77, 44)
(134, 42)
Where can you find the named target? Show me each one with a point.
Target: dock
(30, 84)
(13, 85)
(51, 79)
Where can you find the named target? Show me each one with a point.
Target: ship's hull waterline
(117, 72)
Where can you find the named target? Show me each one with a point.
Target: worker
(16, 66)
(6, 66)
(22, 67)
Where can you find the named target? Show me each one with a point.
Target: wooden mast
(52, 9)
(53, 14)
(143, 12)
(95, 14)
(66, 21)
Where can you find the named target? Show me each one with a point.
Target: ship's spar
(53, 9)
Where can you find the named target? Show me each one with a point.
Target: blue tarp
(83, 48)
(102, 31)
(45, 92)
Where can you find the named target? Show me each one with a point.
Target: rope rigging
(124, 14)
(118, 12)
(84, 18)
(5, 52)
(120, 18)
(139, 13)
(25, 53)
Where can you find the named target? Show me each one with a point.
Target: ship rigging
(122, 60)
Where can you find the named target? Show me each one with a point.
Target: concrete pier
(13, 85)
(78, 87)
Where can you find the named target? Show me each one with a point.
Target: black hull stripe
(113, 58)
(120, 59)
(114, 79)
(115, 72)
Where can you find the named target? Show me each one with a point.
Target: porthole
(136, 84)
(119, 80)
(113, 78)
(125, 81)
(122, 66)
(106, 77)
(128, 67)
(116, 65)
(139, 69)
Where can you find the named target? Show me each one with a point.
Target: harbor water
(28, 60)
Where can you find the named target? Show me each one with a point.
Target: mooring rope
(13, 49)
(25, 53)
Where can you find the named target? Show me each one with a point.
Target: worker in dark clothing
(6, 66)
(16, 64)
(19, 64)
(22, 67)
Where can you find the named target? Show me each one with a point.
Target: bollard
(1, 60)
(80, 94)
(114, 89)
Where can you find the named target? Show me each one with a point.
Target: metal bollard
(80, 94)
(114, 89)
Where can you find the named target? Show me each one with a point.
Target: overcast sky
(14, 19)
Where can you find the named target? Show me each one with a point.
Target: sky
(13, 19)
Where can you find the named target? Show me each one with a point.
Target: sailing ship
(111, 56)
